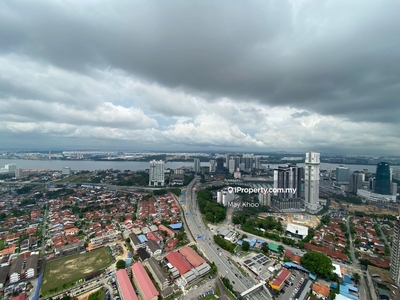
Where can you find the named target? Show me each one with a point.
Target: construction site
(303, 219)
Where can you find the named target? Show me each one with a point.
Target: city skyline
(130, 75)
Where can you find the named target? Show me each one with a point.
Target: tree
(120, 264)
(318, 264)
(246, 246)
(281, 249)
(356, 278)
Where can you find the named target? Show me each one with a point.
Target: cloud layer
(254, 76)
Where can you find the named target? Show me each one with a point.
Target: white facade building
(264, 199)
(231, 165)
(311, 181)
(156, 177)
(212, 166)
(224, 197)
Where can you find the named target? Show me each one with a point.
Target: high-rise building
(264, 199)
(311, 181)
(395, 254)
(212, 166)
(342, 174)
(156, 173)
(238, 160)
(227, 158)
(394, 189)
(355, 182)
(242, 167)
(220, 164)
(231, 165)
(257, 162)
(247, 160)
(289, 176)
(383, 179)
(196, 166)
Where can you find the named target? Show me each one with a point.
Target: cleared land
(79, 178)
(303, 219)
(67, 270)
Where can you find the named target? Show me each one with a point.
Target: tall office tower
(212, 166)
(257, 162)
(196, 166)
(264, 199)
(342, 174)
(247, 159)
(227, 158)
(394, 189)
(289, 176)
(371, 183)
(238, 160)
(156, 177)
(231, 166)
(220, 164)
(311, 181)
(355, 182)
(382, 179)
(395, 255)
(242, 167)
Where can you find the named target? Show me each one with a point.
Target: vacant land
(63, 272)
(78, 178)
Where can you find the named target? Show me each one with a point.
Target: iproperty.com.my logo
(238, 189)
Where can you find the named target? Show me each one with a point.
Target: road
(43, 248)
(209, 248)
(362, 288)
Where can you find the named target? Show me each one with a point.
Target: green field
(64, 272)
(79, 178)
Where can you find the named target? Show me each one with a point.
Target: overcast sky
(201, 75)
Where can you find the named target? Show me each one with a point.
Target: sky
(251, 76)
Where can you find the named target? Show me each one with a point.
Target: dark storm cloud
(335, 58)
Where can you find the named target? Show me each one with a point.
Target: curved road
(209, 248)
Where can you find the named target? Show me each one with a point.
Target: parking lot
(292, 285)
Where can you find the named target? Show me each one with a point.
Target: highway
(209, 248)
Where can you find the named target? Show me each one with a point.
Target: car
(236, 275)
(233, 282)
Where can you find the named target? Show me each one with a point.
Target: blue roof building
(176, 226)
(142, 238)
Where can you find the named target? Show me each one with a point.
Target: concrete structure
(264, 199)
(142, 281)
(196, 165)
(311, 181)
(394, 188)
(395, 254)
(297, 231)
(231, 165)
(8, 168)
(355, 182)
(153, 248)
(342, 174)
(383, 179)
(108, 237)
(224, 197)
(16, 270)
(125, 287)
(160, 276)
(288, 176)
(374, 197)
(213, 166)
(66, 171)
(136, 242)
(257, 162)
(31, 266)
(156, 177)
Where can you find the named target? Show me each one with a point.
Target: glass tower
(383, 179)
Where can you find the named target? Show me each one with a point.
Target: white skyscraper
(257, 162)
(156, 177)
(311, 181)
(196, 166)
(231, 165)
(212, 166)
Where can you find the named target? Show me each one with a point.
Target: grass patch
(79, 178)
(64, 272)
(209, 297)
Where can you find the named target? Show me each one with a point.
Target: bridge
(252, 289)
